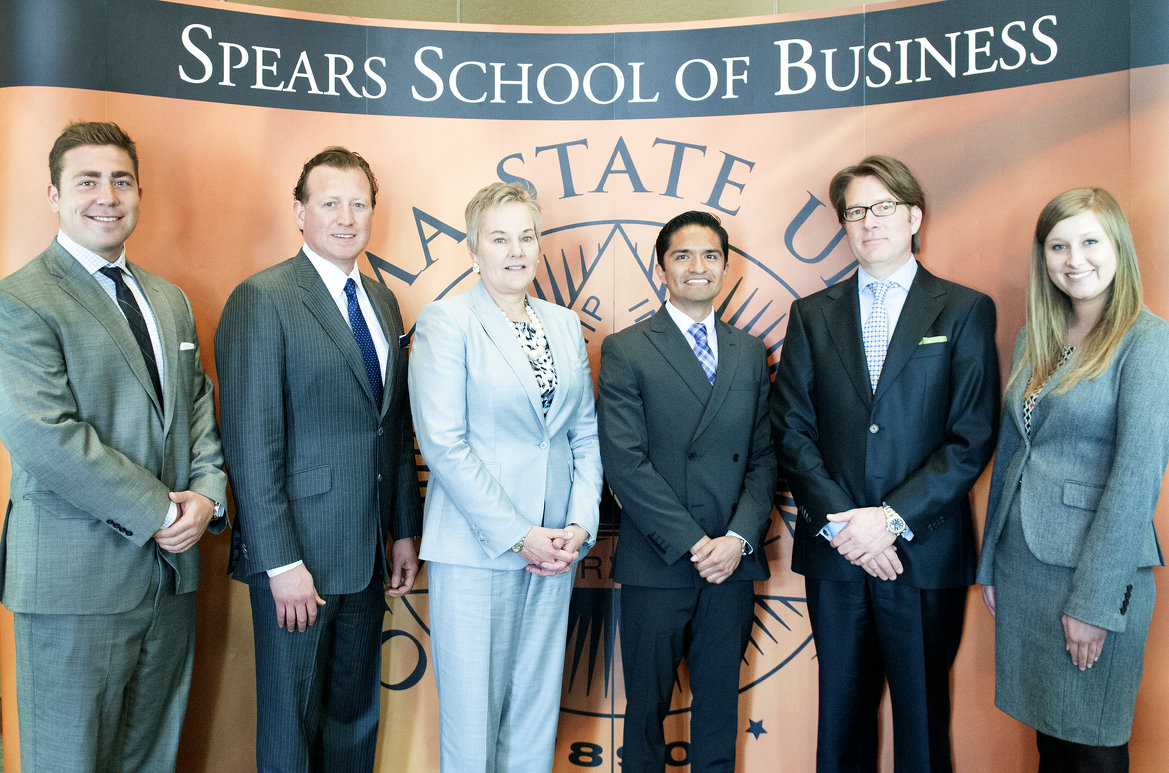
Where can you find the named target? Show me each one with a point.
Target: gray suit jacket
(685, 459)
(318, 473)
(93, 458)
(498, 465)
(1089, 476)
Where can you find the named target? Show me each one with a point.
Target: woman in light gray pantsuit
(1069, 543)
(503, 407)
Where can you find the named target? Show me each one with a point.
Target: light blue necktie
(876, 330)
(702, 350)
(361, 334)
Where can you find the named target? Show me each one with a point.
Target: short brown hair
(892, 174)
(338, 158)
(496, 195)
(81, 133)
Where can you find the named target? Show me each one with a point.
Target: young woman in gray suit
(503, 409)
(1069, 542)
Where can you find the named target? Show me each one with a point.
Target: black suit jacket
(919, 443)
(684, 458)
(318, 472)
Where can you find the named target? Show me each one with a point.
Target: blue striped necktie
(373, 370)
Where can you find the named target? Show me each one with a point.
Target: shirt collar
(902, 276)
(684, 321)
(333, 277)
(89, 260)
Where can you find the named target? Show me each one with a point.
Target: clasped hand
(549, 552)
(716, 559)
(866, 543)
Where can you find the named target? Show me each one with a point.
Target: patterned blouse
(542, 366)
(1032, 399)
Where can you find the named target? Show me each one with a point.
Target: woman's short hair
(496, 195)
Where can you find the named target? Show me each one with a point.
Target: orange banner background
(217, 183)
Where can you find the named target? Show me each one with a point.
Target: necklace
(535, 347)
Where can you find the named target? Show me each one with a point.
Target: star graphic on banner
(755, 728)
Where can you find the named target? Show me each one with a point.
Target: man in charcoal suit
(686, 449)
(312, 370)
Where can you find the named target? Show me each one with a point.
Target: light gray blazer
(1089, 476)
(498, 466)
(93, 459)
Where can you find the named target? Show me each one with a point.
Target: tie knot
(113, 272)
(698, 332)
(879, 289)
(350, 288)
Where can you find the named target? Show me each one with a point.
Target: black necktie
(133, 314)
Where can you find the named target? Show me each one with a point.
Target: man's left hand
(403, 567)
(195, 512)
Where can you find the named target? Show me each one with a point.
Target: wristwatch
(519, 545)
(894, 523)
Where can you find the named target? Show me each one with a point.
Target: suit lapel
(316, 297)
(502, 336)
(728, 366)
(391, 333)
(843, 321)
(926, 299)
(79, 284)
(675, 349)
(168, 335)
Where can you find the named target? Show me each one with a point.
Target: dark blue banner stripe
(933, 50)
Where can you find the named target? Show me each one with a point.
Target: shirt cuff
(283, 569)
(172, 515)
(736, 535)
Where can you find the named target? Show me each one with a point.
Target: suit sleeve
(586, 453)
(949, 472)
(439, 381)
(795, 427)
(249, 357)
(752, 513)
(41, 426)
(644, 495)
(207, 476)
(1108, 559)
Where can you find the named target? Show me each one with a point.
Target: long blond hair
(1049, 309)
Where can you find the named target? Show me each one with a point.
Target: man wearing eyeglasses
(884, 412)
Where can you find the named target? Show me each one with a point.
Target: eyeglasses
(880, 209)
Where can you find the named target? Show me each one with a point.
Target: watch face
(896, 524)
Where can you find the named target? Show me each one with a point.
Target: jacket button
(874, 429)
(381, 431)
(128, 532)
(379, 477)
(692, 456)
(543, 444)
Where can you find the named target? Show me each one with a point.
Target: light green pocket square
(932, 340)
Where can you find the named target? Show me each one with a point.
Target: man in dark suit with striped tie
(320, 453)
(687, 450)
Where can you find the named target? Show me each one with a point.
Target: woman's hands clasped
(549, 552)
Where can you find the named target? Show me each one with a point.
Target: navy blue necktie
(373, 370)
(133, 314)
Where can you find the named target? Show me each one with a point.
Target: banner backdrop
(997, 105)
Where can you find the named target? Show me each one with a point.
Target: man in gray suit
(312, 371)
(687, 450)
(116, 473)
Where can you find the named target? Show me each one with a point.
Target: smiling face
(693, 269)
(1081, 260)
(880, 244)
(97, 198)
(337, 214)
(506, 251)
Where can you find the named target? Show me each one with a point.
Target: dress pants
(103, 693)
(317, 690)
(710, 627)
(497, 637)
(866, 632)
